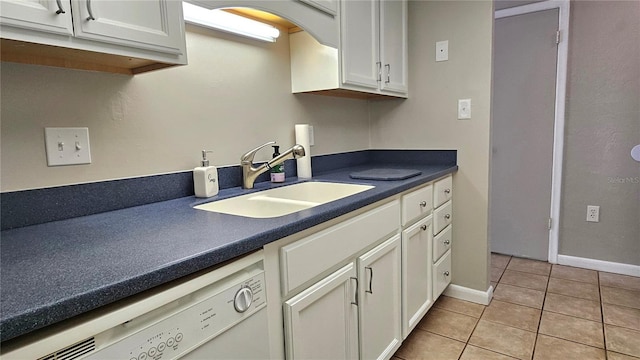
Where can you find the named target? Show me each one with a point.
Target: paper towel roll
(303, 163)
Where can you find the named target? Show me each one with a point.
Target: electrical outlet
(593, 213)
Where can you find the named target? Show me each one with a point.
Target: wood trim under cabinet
(47, 55)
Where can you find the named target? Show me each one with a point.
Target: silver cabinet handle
(388, 66)
(379, 64)
(423, 227)
(446, 273)
(370, 291)
(447, 242)
(356, 294)
(60, 8)
(423, 204)
(447, 191)
(90, 17)
(447, 216)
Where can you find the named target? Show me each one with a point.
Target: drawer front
(442, 243)
(416, 204)
(302, 260)
(441, 274)
(442, 217)
(442, 191)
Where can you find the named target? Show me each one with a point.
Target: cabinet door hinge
(550, 223)
(557, 37)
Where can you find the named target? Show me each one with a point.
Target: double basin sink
(284, 200)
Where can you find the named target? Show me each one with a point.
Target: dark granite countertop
(57, 270)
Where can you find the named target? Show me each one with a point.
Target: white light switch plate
(67, 146)
(442, 50)
(464, 109)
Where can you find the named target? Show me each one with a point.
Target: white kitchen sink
(284, 200)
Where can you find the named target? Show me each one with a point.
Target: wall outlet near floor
(593, 213)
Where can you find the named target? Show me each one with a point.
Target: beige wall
(602, 125)
(235, 94)
(428, 119)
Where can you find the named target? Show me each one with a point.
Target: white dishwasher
(218, 315)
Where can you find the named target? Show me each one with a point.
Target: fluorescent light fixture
(228, 22)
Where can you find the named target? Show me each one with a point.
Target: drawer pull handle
(423, 204)
(370, 291)
(60, 8)
(447, 216)
(356, 293)
(446, 273)
(90, 17)
(423, 227)
(447, 242)
(447, 191)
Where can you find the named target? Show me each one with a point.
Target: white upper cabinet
(42, 15)
(105, 35)
(359, 28)
(393, 46)
(370, 61)
(139, 24)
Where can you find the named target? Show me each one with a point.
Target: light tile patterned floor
(538, 312)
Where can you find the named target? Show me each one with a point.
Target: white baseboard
(600, 265)
(468, 294)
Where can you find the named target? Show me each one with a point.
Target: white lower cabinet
(380, 300)
(322, 321)
(416, 273)
(357, 288)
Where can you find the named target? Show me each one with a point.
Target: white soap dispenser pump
(205, 178)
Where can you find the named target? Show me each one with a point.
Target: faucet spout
(250, 172)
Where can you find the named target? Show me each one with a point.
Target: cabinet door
(380, 304)
(393, 45)
(155, 25)
(322, 321)
(359, 28)
(41, 15)
(416, 274)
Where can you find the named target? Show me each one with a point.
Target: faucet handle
(248, 157)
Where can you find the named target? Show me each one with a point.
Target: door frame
(558, 133)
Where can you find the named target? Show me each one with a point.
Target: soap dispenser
(205, 178)
(277, 171)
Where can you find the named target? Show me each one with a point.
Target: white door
(42, 15)
(380, 300)
(359, 25)
(522, 131)
(416, 273)
(393, 45)
(322, 321)
(155, 25)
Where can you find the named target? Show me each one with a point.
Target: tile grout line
(544, 300)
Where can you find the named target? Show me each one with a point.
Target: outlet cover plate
(464, 109)
(67, 146)
(593, 213)
(442, 50)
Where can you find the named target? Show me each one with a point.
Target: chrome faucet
(250, 173)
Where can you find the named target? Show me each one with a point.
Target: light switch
(464, 109)
(67, 146)
(442, 50)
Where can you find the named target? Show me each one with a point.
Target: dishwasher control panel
(178, 327)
